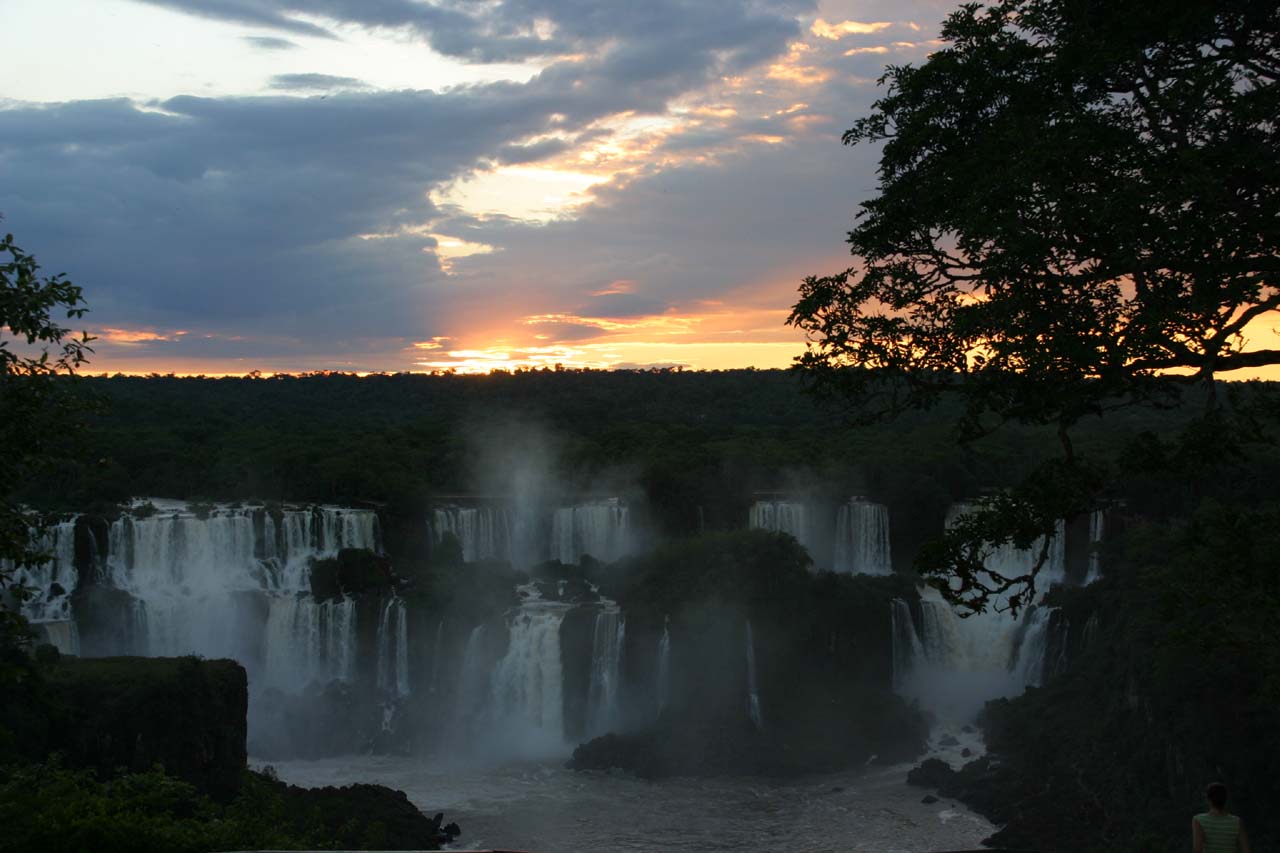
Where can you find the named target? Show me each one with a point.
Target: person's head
(1217, 795)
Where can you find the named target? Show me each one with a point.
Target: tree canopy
(1078, 209)
(34, 413)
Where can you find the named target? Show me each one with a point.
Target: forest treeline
(683, 439)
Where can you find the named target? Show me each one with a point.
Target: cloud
(259, 13)
(315, 82)
(517, 30)
(837, 31)
(270, 43)
(302, 232)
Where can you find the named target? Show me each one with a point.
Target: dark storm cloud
(516, 30)
(316, 82)
(246, 212)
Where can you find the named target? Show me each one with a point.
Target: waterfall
(599, 528)
(526, 702)
(309, 641)
(436, 653)
(52, 581)
(608, 638)
(393, 648)
(753, 691)
(402, 650)
(1097, 528)
(483, 532)
(1012, 561)
(62, 635)
(233, 581)
(953, 665)
(906, 643)
(472, 678)
(783, 517)
(663, 679)
(862, 538)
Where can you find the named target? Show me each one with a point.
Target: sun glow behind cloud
(643, 148)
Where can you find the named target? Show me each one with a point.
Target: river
(545, 808)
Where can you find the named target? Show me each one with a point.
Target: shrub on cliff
(53, 809)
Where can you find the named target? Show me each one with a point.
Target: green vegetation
(38, 412)
(52, 808)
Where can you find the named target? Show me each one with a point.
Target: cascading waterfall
(473, 677)
(52, 581)
(662, 693)
(526, 700)
(598, 528)
(393, 648)
(308, 641)
(608, 639)
(1097, 528)
(206, 583)
(783, 517)
(953, 665)
(862, 538)
(753, 690)
(906, 643)
(484, 532)
(436, 653)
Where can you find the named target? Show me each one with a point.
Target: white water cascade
(484, 532)
(51, 582)
(393, 648)
(436, 653)
(608, 639)
(662, 693)
(599, 528)
(783, 517)
(203, 577)
(1097, 529)
(953, 665)
(526, 699)
(753, 688)
(862, 538)
(309, 641)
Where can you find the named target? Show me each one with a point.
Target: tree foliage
(1078, 209)
(35, 414)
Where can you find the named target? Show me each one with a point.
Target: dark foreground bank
(148, 754)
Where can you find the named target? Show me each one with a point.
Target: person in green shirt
(1217, 831)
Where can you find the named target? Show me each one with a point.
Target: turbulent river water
(544, 808)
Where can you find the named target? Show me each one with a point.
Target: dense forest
(682, 439)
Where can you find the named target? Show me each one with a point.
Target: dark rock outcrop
(185, 714)
(352, 572)
(367, 817)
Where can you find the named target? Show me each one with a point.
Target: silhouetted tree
(1078, 209)
(35, 414)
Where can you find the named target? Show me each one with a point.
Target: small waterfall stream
(862, 538)
(753, 690)
(608, 639)
(599, 528)
(662, 690)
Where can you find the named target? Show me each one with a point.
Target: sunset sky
(291, 185)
